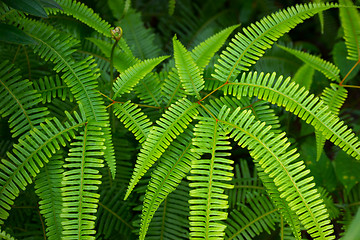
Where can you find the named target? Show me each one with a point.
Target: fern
(327, 68)
(149, 90)
(307, 107)
(30, 154)
(52, 87)
(245, 49)
(18, 100)
(174, 165)
(208, 201)
(5, 235)
(172, 88)
(350, 19)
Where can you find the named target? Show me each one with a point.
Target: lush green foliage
(125, 124)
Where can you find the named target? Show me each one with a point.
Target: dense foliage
(179, 119)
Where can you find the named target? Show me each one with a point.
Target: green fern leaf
(30, 154)
(149, 90)
(327, 68)
(5, 236)
(172, 89)
(172, 7)
(304, 76)
(189, 72)
(208, 202)
(169, 126)
(252, 220)
(334, 98)
(203, 52)
(48, 188)
(173, 166)
(350, 21)
(246, 48)
(79, 196)
(309, 108)
(52, 87)
(131, 76)
(18, 100)
(82, 13)
(269, 150)
(133, 119)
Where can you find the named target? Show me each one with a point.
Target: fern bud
(117, 33)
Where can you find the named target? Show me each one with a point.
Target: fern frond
(133, 119)
(252, 220)
(171, 7)
(82, 13)
(131, 76)
(48, 188)
(247, 47)
(208, 202)
(172, 89)
(30, 154)
(334, 98)
(304, 76)
(350, 21)
(18, 100)
(171, 218)
(172, 123)
(188, 71)
(52, 87)
(327, 68)
(149, 90)
(5, 236)
(307, 107)
(203, 52)
(123, 57)
(173, 166)
(80, 200)
(270, 151)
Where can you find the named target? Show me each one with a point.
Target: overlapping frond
(350, 21)
(149, 90)
(52, 87)
(187, 69)
(79, 196)
(270, 151)
(18, 100)
(82, 13)
(208, 201)
(131, 76)
(48, 188)
(133, 119)
(247, 47)
(297, 100)
(173, 166)
(169, 126)
(203, 52)
(334, 97)
(172, 89)
(259, 216)
(30, 154)
(327, 68)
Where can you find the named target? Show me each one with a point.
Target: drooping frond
(188, 71)
(141, 39)
(247, 47)
(327, 68)
(171, 220)
(173, 166)
(334, 97)
(52, 87)
(131, 76)
(270, 151)
(149, 90)
(133, 119)
(252, 220)
(48, 188)
(350, 21)
(30, 154)
(18, 100)
(122, 58)
(169, 126)
(80, 200)
(172, 89)
(203, 52)
(82, 13)
(288, 94)
(208, 202)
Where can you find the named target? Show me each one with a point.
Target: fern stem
(212, 92)
(341, 83)
(116, 215)
(207, 110)
(350, 86)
